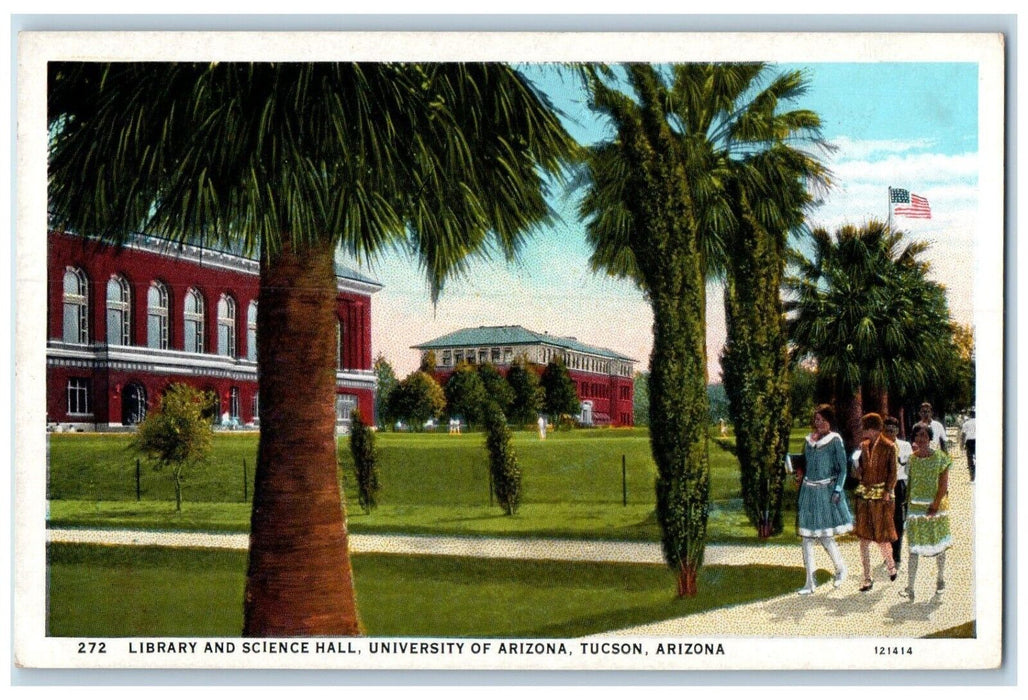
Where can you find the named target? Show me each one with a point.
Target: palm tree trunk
(848, 409)
(678, 419)
(755, 371)
(299, 580)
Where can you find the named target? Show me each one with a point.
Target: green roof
(514, 335)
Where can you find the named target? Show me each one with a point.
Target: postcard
(479, 351)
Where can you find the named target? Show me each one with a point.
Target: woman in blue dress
(823, 511)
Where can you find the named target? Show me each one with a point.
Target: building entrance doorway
(133, 404)
(586, 417)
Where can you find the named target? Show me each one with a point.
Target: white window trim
(197, 317)
(227, 320)
(123, 305)
(79, 299)
(81, 389)
(161, 312)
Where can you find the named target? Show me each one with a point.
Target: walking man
(903, 451)
(937, 428)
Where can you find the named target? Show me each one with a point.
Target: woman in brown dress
(875, 507)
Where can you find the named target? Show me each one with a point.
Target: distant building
(603, 378)
(125, 323)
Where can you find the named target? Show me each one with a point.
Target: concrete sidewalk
(846, 612)
(484, 547)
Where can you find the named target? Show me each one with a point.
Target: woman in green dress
(928, 531)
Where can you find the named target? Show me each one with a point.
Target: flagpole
(890, 207)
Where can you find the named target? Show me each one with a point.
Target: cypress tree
(365, 462)
(503, 464)
(755, 369)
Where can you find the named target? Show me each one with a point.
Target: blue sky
(910, 125)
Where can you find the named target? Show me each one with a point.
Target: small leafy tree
(417, 398)
(387, 382)
(465, 394)
(428, 362)
(524, 383)
(365, 462)
(559, 395)
(497, 388)
(177, 436)
(503, 464)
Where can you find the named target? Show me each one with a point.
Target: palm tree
(770, 191)
(862, 305)
(663, 200)
(293, 161)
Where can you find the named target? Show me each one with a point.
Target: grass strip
(102, 591)
(726, 524)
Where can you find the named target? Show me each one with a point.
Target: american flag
(912, 206)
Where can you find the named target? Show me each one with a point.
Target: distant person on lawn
(542, 427)
(875, 507)
(928, 528)
(822, 510)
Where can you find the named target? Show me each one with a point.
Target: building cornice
(214, 258)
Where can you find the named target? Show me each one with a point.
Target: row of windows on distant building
(79, 403)
(505, 355)
(158, 314)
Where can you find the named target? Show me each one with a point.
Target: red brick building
(604, 379)
(124, 323)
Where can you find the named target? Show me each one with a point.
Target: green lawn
(97, 591)
(431, 483)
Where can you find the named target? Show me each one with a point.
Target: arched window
(76, 306)
(194, 322)
(157, 316)
(227, 326)
(119, 326)
(251, 332)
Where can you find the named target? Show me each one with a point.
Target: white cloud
(949, 182)
(853, 149)
(919, 168)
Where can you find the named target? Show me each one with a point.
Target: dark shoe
(893, 573)
(940, 586)
(908, 594)
(868, 585)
